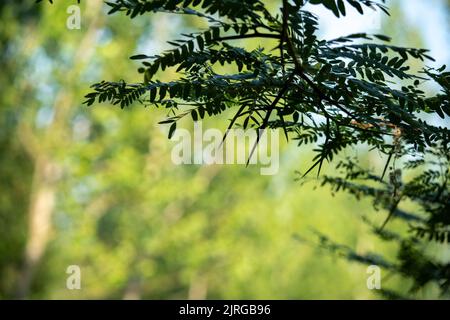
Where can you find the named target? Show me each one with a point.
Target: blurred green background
(95, 187)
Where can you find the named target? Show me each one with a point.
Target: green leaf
(139, 57)
(172, 129)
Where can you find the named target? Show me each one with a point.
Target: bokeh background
(95, 187)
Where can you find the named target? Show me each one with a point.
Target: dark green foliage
(429, 189)
(340, 90)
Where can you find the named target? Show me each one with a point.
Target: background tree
(138, 226)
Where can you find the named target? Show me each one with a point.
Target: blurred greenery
(95, 187)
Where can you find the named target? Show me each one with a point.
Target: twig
(269, 112)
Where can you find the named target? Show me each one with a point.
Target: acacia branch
(299, 69)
